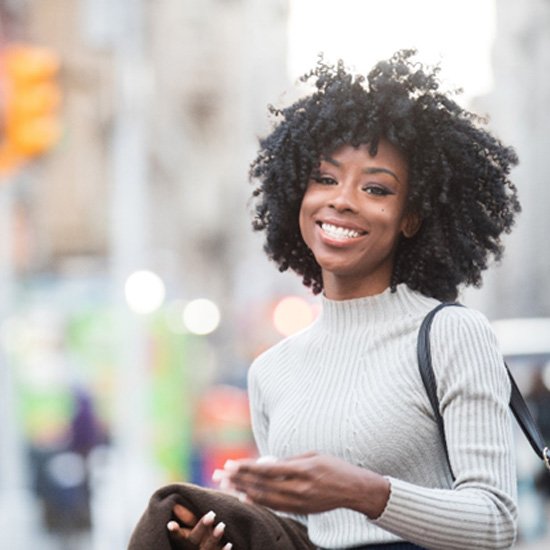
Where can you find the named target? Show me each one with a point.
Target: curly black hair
(459, 182)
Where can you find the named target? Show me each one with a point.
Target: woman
(386, 196)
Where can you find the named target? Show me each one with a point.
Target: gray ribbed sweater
(349, 386)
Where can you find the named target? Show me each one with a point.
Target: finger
(295, 467)
(202, 529)
(278, 493)
(178, 534)
(218, 475)
(219, 530)
(184, 515)
(232, 466)
(213, 541)
(272, 500)
(257, 486)
(309, 454)
(266, 459)
(246, 482)
(262, 468)
(278, 470)
(222, 478)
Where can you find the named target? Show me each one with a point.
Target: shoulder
(454, 323)
(466, 351)
(272, 361)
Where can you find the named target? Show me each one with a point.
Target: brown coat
(248, 527)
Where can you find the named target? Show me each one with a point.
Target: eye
(323, 179)
(377, 190)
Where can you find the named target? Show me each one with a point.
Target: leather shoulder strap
(517, 402)
(427, 374)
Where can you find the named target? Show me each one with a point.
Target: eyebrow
(370, 170)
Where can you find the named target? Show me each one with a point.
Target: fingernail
(208, 519)
(219, 529)
(225, 484)
(172, 526)
(267, 459)
(228, 546)
(231, 465)
(243, 498)
(218, 475)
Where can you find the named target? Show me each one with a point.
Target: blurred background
(133, 293)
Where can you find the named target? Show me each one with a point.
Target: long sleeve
(350, 386)
(474, 390)
(259, 418)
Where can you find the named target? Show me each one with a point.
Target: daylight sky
(361, 32)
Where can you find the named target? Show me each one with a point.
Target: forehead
(386, 155)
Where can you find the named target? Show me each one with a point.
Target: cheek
(385, 216)
(388, 220)
(302, 223)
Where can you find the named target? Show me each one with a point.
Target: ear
(411, 224)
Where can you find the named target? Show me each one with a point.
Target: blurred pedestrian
(63, 478)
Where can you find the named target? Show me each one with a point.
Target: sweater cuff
(403, 496)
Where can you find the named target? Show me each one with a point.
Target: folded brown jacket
(248, 527)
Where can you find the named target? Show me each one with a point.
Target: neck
(339, 288)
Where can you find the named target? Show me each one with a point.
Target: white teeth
(337, 232)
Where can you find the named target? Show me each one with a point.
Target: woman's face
(352, 215)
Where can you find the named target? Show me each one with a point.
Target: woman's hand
(309, 484)
(192, 532)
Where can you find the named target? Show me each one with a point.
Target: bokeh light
(144, 291)
(291, 315)
(201, 316)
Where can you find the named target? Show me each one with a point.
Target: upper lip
(342, 224)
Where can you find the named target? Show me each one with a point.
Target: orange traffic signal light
(31, 103)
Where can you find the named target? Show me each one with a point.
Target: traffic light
(31, 101)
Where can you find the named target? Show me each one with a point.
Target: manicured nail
(267, 459)
(231, 466)
(218, 475)
(243, 498)
(225, 484)
(228, 546)
(208, 519)
(219, 529)
(172, 526)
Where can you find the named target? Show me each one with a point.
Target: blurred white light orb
(291, 315)
(201, 316)
(144, 291)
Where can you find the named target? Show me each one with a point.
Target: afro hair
(459, 184)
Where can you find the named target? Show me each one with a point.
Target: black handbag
(517, 402)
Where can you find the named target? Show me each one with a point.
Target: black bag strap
(517, 402)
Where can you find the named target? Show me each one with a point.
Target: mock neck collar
(387, 306)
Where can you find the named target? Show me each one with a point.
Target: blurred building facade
(518, 110)
(207, 73)
(163, 102)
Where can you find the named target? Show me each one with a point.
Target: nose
(343, 198)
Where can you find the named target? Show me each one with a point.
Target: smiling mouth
(340, 233)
